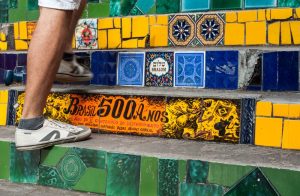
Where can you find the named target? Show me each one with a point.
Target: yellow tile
(263, 108)
(73, 42)
(3, 45)
(126, 28)
(256, 33)
(16, 30)
(142, 43)
(105, 23)
(261, 15)
(286, 37)
(162, 19)
(274, 33)
(21, 45)
(114, 38)
(140, 26)
(158, 36)
(297, 12)
(291, 134)
(268, 131)
(294, 111)
(280, 110)
(295, 28)
(130, 43)
(2, 37)
(152, 20)
(117, 23)
(247, 16)
(3, 114)
(231, 17)
(234, 34)
(23, 30)
(3, 96)
(102, 39)
(280, 14)
(268, 14)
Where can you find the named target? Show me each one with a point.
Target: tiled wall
(3, 107)
(111, 173)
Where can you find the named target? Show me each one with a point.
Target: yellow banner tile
(3, 96)
(264, 108)
(247, 16)
(295, 28)
(274, 33)
(117, 23)
(261, 15)
(280, 110)
(130, 43)
(3, 45)
(21, 45)
(140, 26)
(16, 30)
(286, 38)
(114, 38)
(291, 134)
(105, 23)
(294, 111)
(231, 17)
(126, 28)
(23, 30)
(102, 39)
(234, 34)
(268, 132)
(256, 33)
(3, 116)
(158, 36)
(142, 42)
(281, 14)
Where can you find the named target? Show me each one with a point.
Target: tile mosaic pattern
(86, 34)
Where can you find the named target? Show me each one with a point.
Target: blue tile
(247, 121)
(189, 69)
(145, 5)
(104, 67)
(270, 69)
(131, 69)
(194, 5)
(22, 60)
(10, 61)
(222, 69)
(260, 3)
(2, 61)
(1, 76)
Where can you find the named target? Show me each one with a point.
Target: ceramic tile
(236, 29)
(126, 6)
(2, 60)
(222, 69)
(5, 160)
(158, 36)
(92, 158)
(13, 96)
(254, 183)
(200, 189)
(190, 69)
(168, 177)
(49, 176)
(260, 3)
(114, 8)
(224, 5)
(290, 134)
(194, 5)
(140, 26)
(32, 5)
(123, 174)
(247, 121)
(149, 176)
(165, 7)
(256, 33)
(146, 6)
(288, 3)
(255, 81)
(159, 69)
(3, 112)
(182, 170)
(86, 34)
(197, 171)
(50, 157)
(104, 67)
(131, 69)
(10, 61)
(22, 59)
(210, 29)
(98, 9)
(270, 69)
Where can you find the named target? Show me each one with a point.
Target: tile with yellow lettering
(86, 34)
(234, 34)
(256, 33)
(291, 134)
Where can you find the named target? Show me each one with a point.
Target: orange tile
(294, 111)
(274, 33)
(295, 28)
(256, 33)
(286, 37)
(280, 110)
(291, 135)
(247, 16)
(236, 29)
(263, 108)
(140, 26)
(231, 17)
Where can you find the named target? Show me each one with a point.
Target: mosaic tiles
(194, 5)
(86, 34)
(260, 4)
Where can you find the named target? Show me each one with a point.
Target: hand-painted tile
(225, 5)
(288, 3)
(194, 5)
(222, 69)
(159, 69)
(131, 69)
(149, 176)
(49, 176)
(5, 160)
(197, 171)
(181, 30)
(255, 183)
(86, 34)
(200, 189)
(123, 174)
(210, 29)
(24, 165)
(190, 69)
(202, 119)
(92, 158)
(247, 121)
(165, 7)
(104, 68)
(260, 3)
(168, 177)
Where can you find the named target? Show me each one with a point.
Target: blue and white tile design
(222, 69)
(131, 69)
(190, 69)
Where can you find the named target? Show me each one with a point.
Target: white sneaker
(72, 71)
(53, 132)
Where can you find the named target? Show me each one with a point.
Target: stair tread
(236, 154)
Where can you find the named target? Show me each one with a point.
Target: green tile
(115, 8)
(123, 174)
(165, 7)
(201, 189)
(13, 4)
(24, 165)
(285, 181)
(92, 158)
(32, 4)
(149, 176)
(33, 15)
(4, 160)
(226, 175)
(51, 156)
(289, 3)
(197, 171)
(182, 167)
(98, 10)
(168, 177)
(49, 176)
(127, 6)
(226, 4)
(94, 180)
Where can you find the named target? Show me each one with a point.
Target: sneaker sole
(77, 138)
(60, 77)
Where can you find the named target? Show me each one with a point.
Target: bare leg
(44, 55)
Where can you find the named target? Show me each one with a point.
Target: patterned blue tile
(131, 69)
(194, 5)
(104, 67)
(222, 69)
(247, 122)
(260, 3)
(190, 69)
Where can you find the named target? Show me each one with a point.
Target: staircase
(188, 98)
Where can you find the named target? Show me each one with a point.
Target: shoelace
(62, 125)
